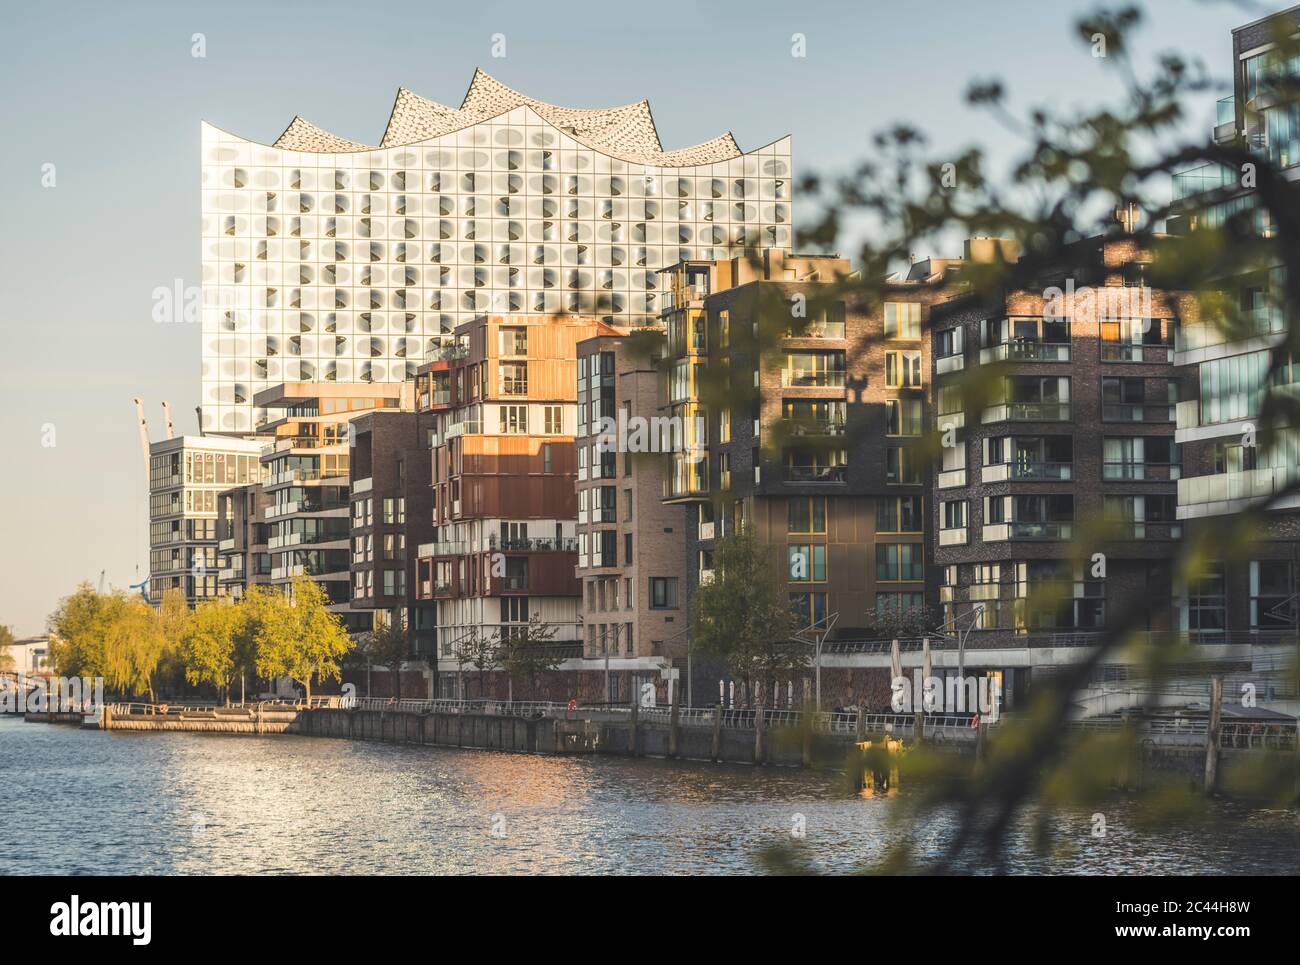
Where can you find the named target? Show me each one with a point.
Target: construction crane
(167, 419)
(144, 436)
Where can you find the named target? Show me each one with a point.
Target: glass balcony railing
(1137, 412)
(1028, 412)
(834, 474)
(1203, 178)
(1018, 471)
(829, 379)
(1028, 530)
(1023, 350)
(1140, 471)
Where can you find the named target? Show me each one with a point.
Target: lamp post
(973, 614)
(816, 644)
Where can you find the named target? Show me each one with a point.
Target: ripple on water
(84, 802)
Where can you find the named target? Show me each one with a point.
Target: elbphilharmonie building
(329, 260)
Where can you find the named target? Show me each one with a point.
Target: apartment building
(1074, 432)
(296, 520)
(503, 544)
(818, 450)
(1224, 364)
(631, 544)
(392, 502)
(187, 475)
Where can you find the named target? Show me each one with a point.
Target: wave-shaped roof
(626, 132)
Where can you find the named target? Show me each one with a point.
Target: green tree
(743, 615)
(77, 628)
(298, 637)
(389, 645)
(133, 644)
(525, 652)
(212, 642)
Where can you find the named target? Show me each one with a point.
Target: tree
(298, 637)
(524, 652)
(479, 650)
(389, 646)
(77, 633)
(6, 641)
(743, 615)
(211, 643)
(132, 640)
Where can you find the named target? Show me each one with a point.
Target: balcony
(707, 530)
(953, 537)
(949, 363)
(812, 380)
(945, 420)
(818, 330)
(817, 427)
(1136, 412)
(1140, 471)
(1128, 352)
(1203, 179)
(1027, 412)
(1024, 350)
(535, 545)
(1131, 529)
(951, 478)
(1029, 531)
(1231, 492)
(360, 486)
(816, 474)
(1025, 471)
(1194, 340)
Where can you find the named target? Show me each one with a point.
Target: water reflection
(85, 802)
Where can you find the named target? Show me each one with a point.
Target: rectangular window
(663, 592)
(514, 419)
(898, 515)
(896, 562)
(806, 562)
(809, 609)
(900, 467)
(903, 417)
(553, 419)
(903, 370)
(807, 514)
(902, 320)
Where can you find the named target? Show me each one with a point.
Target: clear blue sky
(109, 94)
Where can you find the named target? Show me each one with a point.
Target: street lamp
(973, 614)
(816, 644)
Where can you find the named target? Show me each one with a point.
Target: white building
(326, 259)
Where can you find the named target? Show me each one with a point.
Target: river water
(82, 802)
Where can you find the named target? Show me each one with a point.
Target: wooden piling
(760, 736)
(715, 749)
(674, 726)
(1212, 735)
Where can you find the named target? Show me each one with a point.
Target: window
(514, 378)
(1207, 602)
(809, 609)
(553, 419)
(898, 605)
(627, 548)
(898, 561)
(807, 514)
(514, 419)
(902, 320)
(900, 466)
(663, 592)
(806, 562)
(900, 514)
(952, 514)
(950, 342)
(513, 341)
(1273, 603)
(816, 368)
(903, 417)
(903, 370)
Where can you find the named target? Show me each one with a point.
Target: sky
(111, 96)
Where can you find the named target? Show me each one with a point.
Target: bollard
(674, 726)
(715, 750)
